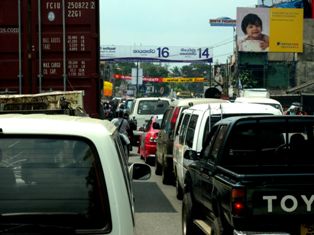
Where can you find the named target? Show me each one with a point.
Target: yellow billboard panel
(286, 30)
(107, 88)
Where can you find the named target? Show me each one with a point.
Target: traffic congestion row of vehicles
(161, 131)
(270, 160)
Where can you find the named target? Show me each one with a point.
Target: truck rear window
(52, 180)
(270, 144)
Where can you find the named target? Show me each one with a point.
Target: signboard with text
(156, 53)
(222, 21)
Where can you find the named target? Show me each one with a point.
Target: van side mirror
(140, 171)
(191, 155)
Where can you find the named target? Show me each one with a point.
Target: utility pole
(137, 90)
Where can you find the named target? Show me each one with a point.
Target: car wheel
(216, 226)
(179, 190)
(150, 161)
(188, 227)
(158, 169)
(165, 175)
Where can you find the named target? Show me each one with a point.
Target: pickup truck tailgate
(281, 194)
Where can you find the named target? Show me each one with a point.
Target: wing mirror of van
(140, 171)
(191, 155)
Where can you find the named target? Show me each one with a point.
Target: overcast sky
(169, 23)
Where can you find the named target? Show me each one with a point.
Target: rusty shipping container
(50, 45)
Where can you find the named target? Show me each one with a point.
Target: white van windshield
(152, 107)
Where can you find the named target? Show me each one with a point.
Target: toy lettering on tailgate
(289, 203)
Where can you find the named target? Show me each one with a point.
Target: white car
(197, 122)
(143, 109)
(65, 175)
(260, 100)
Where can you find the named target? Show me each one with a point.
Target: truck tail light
(238, 200)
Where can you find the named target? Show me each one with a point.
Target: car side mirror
(191, 155)
(140, 171)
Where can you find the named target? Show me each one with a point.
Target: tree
(246, 79)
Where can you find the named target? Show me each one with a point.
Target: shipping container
(50, 45)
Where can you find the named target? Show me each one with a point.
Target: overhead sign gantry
(156, 54)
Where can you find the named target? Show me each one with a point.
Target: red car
(148, 140)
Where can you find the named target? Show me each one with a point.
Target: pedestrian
(123, 127)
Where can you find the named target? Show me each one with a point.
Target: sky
(170, 23)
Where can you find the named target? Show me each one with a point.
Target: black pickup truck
(255, 175)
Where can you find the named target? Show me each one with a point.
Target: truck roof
(277, 118)
(194, 101)
(217, 108)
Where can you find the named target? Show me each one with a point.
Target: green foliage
(155, 70)
(246, 78)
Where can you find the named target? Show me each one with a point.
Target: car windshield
(46, 176)
(152, 107)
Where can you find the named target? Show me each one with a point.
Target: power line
(222, 44)
(222, 55)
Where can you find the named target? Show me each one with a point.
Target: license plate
(307, 229)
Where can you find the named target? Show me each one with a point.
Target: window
(53, 176)
(191, 131)
(152, 107)
(183, 128)
(179, 111)
(270, 143)
(217, 142)
(165, 124)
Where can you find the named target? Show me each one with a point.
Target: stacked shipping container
(49, 46)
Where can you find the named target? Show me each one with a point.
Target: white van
(196, 123)
(144, 108)
(260, 100)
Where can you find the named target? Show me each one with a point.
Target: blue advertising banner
(223, 21)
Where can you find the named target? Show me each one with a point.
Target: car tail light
(174, 117)
(152, 138)
(238, 200)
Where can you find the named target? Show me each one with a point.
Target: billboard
(269, 30)
(156, 53)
